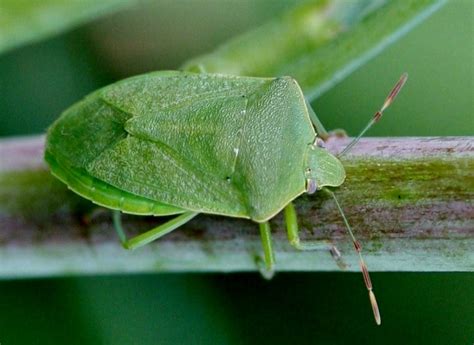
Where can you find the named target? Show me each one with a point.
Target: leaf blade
(25, 21)
(344, 35)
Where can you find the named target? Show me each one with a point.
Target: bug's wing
(151, 93)
(183, 135)
(155, 171)
(205, 134)
(81, 134)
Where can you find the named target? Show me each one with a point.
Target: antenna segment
(363, 265)
(389, 100)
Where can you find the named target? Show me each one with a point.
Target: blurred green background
(39, 80)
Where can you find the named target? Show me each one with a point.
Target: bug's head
(322, 168)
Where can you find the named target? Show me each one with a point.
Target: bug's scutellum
(357, 246)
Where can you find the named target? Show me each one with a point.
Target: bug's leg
(201, 68)
(267, 264)
(85, 217)
(150, 235)
(295, 241)
(318, 126)
(117, 219)
(196, 68)
(293, 232)
(336, 255)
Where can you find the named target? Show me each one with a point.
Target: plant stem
(409, 200)
(318, 43)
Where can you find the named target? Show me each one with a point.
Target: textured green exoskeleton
(185, 143)
(171, 142)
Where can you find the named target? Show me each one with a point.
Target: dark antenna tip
(378, 115)
(395, 91)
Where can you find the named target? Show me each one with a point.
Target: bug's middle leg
(318, 126)
(150, 235)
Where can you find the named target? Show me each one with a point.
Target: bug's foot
(336, 134)
(266, 272)
(197, 68)
(336, 255)
(85, 217)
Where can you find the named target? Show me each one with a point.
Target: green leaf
(23, 21)
(318, 43)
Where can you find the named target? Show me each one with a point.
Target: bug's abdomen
(105, 194)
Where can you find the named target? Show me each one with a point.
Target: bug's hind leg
(266, 264)
(293, 232)
(150, 235)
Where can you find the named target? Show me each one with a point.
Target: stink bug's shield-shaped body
(173, 142)
(186, 143)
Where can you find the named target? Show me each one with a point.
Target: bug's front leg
(150, 235)
(293, 232)
(319, 128)
(295, 241)
(267, 264)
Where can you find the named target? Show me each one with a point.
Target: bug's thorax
(322, 168)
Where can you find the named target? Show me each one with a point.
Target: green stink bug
(182, 143)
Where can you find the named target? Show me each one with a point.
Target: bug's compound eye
(319, 143)
(311, 186)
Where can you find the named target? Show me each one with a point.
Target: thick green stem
(410, 202)
(318, 43)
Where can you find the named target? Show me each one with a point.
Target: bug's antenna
(390, 98)
(363, 266)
